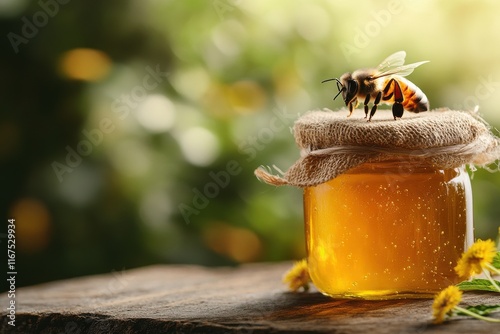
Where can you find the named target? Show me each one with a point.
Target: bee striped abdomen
(414, 99)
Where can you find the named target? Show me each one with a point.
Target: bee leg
(397, 107)
(367, 100)
(375, 104)
(397, 110)
(352, 106)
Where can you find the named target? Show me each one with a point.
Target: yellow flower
(298, 276)
(444, 302)
(478, 257)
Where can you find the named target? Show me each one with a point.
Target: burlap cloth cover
(331, 143)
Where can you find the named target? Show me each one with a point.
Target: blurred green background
(130, 130)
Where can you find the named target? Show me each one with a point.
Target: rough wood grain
(191, 299)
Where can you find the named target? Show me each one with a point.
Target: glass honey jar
(387, 204)
(387, 230)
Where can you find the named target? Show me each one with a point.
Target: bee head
(347, 86)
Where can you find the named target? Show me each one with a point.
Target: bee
(385, 84)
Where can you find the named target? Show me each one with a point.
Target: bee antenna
(331, 80)
(340, 86)
(340, 91)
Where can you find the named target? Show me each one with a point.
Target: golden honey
(388, 230)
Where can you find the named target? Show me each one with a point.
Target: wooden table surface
(193, 299)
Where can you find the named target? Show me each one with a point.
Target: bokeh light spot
(156, 113)
(85, 64)
(33, 225)
(199, 146)
(246, 96)
(239, 244)
(191, 83)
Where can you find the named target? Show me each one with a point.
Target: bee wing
(400, 70)
(396, 59)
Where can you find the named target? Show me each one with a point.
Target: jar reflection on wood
(387, 230)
